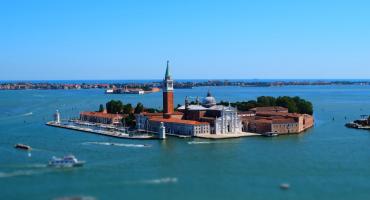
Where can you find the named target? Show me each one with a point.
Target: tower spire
(168, 74)
(167, 93)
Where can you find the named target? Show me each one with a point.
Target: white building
(222, 119)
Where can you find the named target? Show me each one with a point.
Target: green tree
(139, 108)
(266, 101)
(304, 106)
(101, 108)
(127, 109)
(287, 102)
(129, 120)
(114, 107)
(294, 104)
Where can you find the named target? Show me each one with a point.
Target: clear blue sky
(265, 39)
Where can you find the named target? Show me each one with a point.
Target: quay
(115, 134)
(227, 136)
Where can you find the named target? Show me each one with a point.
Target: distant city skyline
(132, 40)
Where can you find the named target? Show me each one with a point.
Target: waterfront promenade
(115, 134)
(118, 134)
(227, 136)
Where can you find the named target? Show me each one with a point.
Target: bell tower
(167, 93)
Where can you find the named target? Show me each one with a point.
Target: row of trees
(117, 107)
(294, 104)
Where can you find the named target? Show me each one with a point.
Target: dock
(227, 136)
(118, 134)
(115, 134)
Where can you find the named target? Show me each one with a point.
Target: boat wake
(27, 114)
(27, 166)
(117, 144)
(159, 181)
(195, 142)
(205, 142)
(20, 173)
(75, 198)
(37, 166)
(165, 180)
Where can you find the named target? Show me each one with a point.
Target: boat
(66, 161)
(23, 146)
(270, 134)
(284, 186)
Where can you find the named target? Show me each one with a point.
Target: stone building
(222, 119)
(277, 122)
(203, 118)
(101, 117)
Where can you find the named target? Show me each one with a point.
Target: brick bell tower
(167, 93)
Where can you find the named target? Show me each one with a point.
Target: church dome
(209, 101)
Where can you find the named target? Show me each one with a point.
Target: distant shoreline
(182, 84)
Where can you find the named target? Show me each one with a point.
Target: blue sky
(264, 39)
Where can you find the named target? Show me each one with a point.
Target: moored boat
(270, 134)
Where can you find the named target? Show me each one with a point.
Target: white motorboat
(66, 161)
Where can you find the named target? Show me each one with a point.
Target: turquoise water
(327, 162)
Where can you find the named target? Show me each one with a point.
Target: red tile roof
(278, 114)
(269, 121)
(101, 114)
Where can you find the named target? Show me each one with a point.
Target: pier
(115, 134)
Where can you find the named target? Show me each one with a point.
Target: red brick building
(101, 117)
(270, 119)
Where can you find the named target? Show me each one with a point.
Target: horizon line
(212, 79)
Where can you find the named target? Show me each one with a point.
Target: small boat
(23, 147)
(284, 186)
(66, 161)
(270, 134)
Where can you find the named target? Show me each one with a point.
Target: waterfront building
(190, 120)
(222, 119)
(101, 117)
(277, 122)
(206, 117)
(179, 127)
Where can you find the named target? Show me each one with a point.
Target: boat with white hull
(66, 161)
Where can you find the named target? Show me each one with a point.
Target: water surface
(327, 162)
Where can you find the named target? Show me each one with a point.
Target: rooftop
(279, 114)
(177, 121)
(101, 114)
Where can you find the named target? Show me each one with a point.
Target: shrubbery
(294, 104)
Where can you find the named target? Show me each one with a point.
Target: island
(202, 118)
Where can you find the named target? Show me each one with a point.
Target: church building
(190, 120)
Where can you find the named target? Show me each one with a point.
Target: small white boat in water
(66, 161)
(270, 134)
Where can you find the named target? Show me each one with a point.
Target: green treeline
(294, 104)
(117, 107)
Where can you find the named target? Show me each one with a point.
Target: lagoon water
(329, 161)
